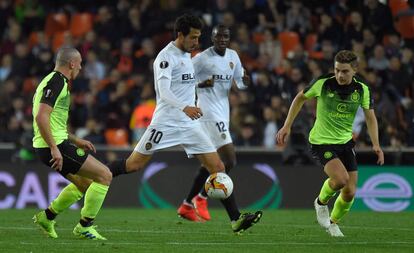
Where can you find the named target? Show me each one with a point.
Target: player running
(338, 98)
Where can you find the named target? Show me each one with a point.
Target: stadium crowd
(283, 45)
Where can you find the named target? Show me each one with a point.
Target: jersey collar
(176, 49)
(62, 75)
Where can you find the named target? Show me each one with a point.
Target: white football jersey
(214, 101)
(176, 65)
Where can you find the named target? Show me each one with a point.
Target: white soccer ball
(219, 186)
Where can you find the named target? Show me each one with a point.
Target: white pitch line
(342, 226)
(232, 243)
(201, 231)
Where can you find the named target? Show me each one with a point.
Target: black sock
(117, 167)
(49, 214)
(320, 203)
(198, 184)
(231, 207)
(86, 222)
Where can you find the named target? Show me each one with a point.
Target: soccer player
(218, 67)
(175, 120)
(338, 96)
(66, 153)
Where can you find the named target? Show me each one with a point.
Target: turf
(153, 230)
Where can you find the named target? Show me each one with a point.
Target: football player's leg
(94, 197)
(228, 156)
(345, 200)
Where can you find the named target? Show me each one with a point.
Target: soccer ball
(219, 186)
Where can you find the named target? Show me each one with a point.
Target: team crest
(231, 64)
(80, 152)
(341, 107)
(223, 136)
(148, 146)
(355, 96)
(327, 154)
(164, 64)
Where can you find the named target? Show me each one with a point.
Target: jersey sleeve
(238, 72)
(52, 90)
(163, 66)
(198, 64)
(314, 89)
(367, 101)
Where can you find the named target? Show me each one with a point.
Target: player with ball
(176, 118)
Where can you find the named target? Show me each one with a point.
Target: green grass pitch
(154, 230)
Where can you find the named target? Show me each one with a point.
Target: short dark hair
(219, 27)
(348, 57)
(185, 22)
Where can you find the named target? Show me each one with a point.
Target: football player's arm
(372, 126)
(164, 85)
(43, 122)
(206, 84)
(81, 143)
(199, 66)
(164, 88)
(241, 78)
(294, 109)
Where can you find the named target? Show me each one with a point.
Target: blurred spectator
(94, 69)
(270, 128)
(249, 136)
(6, 67)
(119, 52)
(378, 61)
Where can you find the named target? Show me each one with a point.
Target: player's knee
(340, 183)
(103, 177)
(348, 194)
(106, 177)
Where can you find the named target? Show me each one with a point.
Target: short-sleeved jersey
(52, 90)
(175, 65)
(214, 101)
(336, 108)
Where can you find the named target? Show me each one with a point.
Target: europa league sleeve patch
(48, 93)
(164, 64)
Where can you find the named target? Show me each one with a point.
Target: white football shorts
(218, 132)
(192, 138)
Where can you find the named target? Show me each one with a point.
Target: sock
(49, 214)
(231, 207)
(94, 198)
(86, 222)
(67, 197)
(326, 192)
(341, 207)
(198, 184)
(117, 167)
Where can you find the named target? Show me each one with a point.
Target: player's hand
(193, 112)
(380, 154)
(85, 145)
(282, 135)
(207, 83)
(57, 160)
(246, 78)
